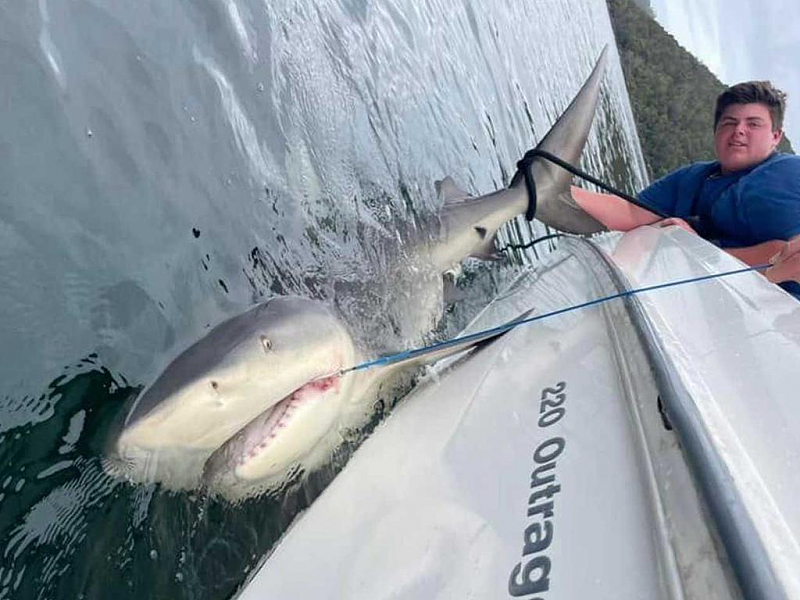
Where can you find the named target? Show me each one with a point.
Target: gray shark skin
(262, 394)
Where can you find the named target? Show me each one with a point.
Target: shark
(269, 391)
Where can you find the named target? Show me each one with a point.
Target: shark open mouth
(279, 416)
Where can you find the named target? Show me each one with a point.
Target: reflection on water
(164, 166)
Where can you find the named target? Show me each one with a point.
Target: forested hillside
(645, 4)
(672, 93)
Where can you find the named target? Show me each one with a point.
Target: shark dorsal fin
(449, 191)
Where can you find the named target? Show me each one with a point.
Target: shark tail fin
(566, 139)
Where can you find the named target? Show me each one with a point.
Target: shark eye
(266, 343)
(214, 385)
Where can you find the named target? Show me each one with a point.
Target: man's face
(744, 136)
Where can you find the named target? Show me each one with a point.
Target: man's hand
(674, 222)
(786, 263)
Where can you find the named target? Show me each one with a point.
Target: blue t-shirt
(736, 210)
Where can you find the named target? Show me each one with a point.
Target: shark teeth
(281, 415)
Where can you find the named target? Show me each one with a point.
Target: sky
(739, 40)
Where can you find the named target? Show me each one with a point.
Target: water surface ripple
(163, 166)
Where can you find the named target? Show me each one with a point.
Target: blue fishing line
(406, 354)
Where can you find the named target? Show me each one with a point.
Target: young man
(747, 201)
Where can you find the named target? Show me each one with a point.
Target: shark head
(263, 362)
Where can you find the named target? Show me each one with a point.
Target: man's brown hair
(753, 92)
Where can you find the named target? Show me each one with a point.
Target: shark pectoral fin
(473, 341)
(561, 212)
(492, 255)
(487, 249)
(449, 192)
(430, 354)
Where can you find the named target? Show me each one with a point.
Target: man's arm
(614, 212)
(618, 214)
(759, 254)
(786, 263)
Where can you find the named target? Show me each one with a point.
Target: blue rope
(406, 354)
